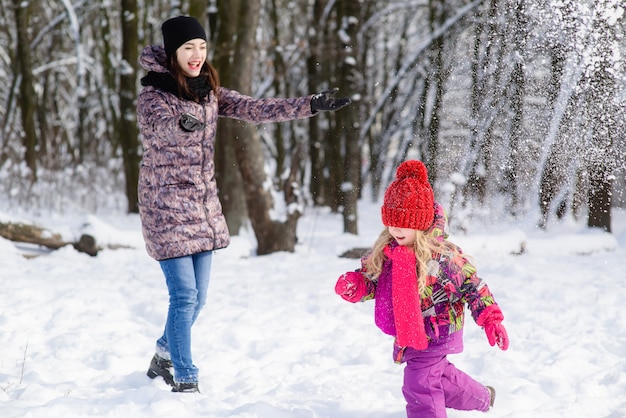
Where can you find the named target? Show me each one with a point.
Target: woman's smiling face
(190, 56)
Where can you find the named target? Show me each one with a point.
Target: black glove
(326, 101)
(190, 123)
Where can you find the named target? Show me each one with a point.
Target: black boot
(185, 387)
(161, 367)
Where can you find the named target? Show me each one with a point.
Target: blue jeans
(187, 281)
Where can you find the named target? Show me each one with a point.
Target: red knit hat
(409, 200)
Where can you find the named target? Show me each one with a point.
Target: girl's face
(191, 56)
(404, 236)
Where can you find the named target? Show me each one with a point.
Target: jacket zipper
(202, 171)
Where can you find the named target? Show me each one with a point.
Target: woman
(181, 216)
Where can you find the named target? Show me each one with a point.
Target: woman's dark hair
(207, 70)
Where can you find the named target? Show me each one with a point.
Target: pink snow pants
(432, 384)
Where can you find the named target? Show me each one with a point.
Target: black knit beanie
(178, 30)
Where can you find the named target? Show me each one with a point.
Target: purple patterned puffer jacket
(178, 202)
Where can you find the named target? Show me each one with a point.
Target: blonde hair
(426, 248)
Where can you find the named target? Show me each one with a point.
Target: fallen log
(355, 253)
(32, 234)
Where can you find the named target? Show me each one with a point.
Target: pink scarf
(407, 311)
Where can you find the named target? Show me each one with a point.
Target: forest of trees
(517, 107)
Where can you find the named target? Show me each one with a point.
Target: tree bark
(32, 234)
(606, 120)
(518, 83)
(317, 185)
(272, 234)
(129, 132)
(198, 9)
(227, 175)
(600, 198)
(437, 81)
(349, 16)
(27, 98)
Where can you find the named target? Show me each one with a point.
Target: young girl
(421, 283)
(181, 215)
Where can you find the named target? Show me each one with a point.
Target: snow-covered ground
(274, 341)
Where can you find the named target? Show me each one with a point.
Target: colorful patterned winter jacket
(178, 202)
(451, 283)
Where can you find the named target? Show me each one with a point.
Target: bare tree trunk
(280, 142)
(552, 171)
(316, 143)
(27, 99)
(333, 136)
(437, 80)
(349, 15)
(272, 235)
(606, 119)
(325, 148)
(129, 133)
(518, 83)
(555, 174)
(600, 197)
(110, 81)
(227, 175)
(197, 9)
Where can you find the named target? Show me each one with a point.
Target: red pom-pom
(412, 168)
